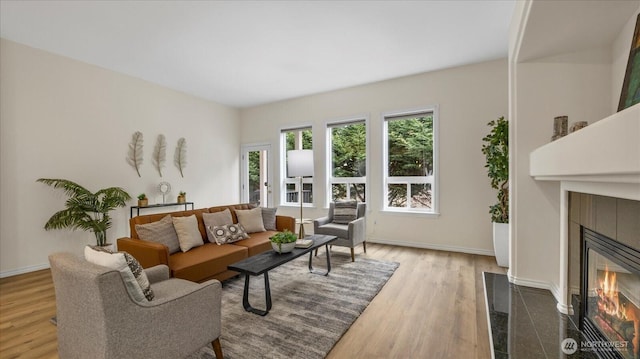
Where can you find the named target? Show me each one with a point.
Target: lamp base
(301, 231)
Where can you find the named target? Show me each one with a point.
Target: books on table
(304, 243)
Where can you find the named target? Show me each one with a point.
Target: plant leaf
(160, 153)
(135, 151)
(180, 157)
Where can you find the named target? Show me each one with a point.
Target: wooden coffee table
(264, 262)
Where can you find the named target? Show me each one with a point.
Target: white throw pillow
(118, 261)
(251, 219)
(188, 234)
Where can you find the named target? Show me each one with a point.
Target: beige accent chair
(96, 317)
(349, 235)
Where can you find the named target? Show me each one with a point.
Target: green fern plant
(496, 150)
(85, 210)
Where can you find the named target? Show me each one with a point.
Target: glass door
(256, 175)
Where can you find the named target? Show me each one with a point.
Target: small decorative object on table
(304, 243)
(560, 124)
(283, 242)
(182, 197)
(578, 125)
(143, 201)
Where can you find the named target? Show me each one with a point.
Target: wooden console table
(138, 208)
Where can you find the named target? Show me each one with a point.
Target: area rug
(310, 312)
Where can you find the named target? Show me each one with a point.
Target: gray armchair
(96, 317)
(349, 235)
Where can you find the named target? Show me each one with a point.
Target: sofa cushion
(216, 219)
(227, 233)
(187, 230)
(269, 218)
(251, 219)
(133, 276)
(334, 229)
(162, 232)
(202, 262)
(257, 242)
(344, 212)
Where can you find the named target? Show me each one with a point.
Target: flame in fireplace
(608, 293)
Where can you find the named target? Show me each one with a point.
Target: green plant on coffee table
(142, 196)
(85, 210)
(182, 193)
(283, 237)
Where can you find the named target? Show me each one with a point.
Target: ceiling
(245, 53)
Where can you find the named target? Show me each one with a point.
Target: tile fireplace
(609, 299)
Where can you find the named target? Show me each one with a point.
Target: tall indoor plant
(496, 150)
(85, 210)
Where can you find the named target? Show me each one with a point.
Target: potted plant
(143, 201)
(496, 150)
(85, 210)
(182, 197)
(283, 242)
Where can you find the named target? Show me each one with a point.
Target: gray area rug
(309, 314)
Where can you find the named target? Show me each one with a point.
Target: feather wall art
(160, 153)
(135, 152)
(180, 157)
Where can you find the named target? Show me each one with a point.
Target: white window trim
(328, 155)
(284, 180)
(433, 179)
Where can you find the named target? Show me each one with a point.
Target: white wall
(583, 85)
(61, 118)
(468, 97)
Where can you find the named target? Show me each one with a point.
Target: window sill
(411, 213)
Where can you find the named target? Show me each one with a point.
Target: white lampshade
(300, 163)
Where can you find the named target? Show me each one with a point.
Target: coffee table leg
(267, 296)
(328, 262)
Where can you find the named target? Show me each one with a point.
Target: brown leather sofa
(205, 262)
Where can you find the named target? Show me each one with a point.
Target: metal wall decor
(135, 152)
(160, 153)
(180, 157)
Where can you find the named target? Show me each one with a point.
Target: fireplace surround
(609, 299)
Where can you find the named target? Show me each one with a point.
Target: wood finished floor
(432, 307)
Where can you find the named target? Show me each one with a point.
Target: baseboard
(439, 247)
(23, 270)
(551, 287)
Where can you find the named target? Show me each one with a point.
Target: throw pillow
(269, 219)
(251, 219)
(134, 277)
(162, 232)
(227, 233)
(344, 212)
(216, 219)
(187, 230)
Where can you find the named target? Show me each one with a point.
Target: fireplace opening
(610, 296)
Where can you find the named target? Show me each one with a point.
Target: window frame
(284, 180)
(433, 179)
(330, 180)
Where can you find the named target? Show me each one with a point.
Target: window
(410, 161)
(291, 192)
(348, 166)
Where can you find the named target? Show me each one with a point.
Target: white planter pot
(501, 243)
(286, 247)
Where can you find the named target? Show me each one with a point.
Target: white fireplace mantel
(602, 159)
(605, 151)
